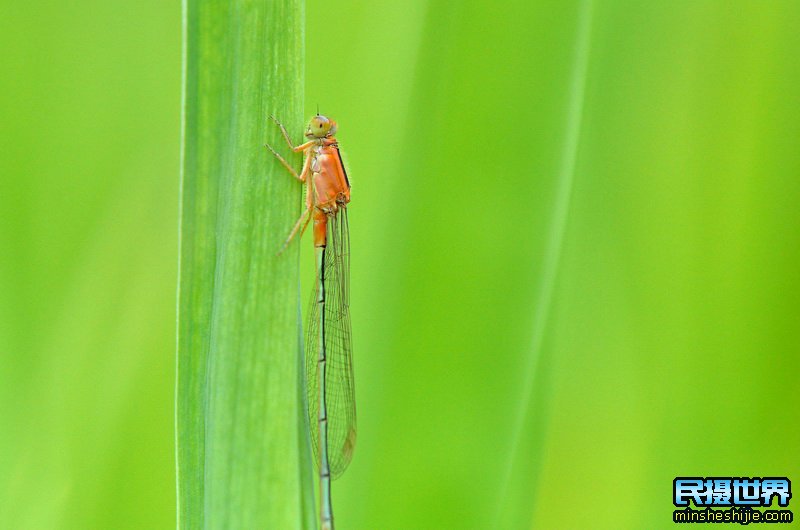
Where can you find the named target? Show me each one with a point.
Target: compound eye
(319, 126)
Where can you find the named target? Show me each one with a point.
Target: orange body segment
(320, 228)
(331, 188)
(329, 177)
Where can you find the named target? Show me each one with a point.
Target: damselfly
(328, 355)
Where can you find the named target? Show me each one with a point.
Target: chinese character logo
(731, 491)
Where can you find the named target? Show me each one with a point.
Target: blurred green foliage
(671, 344)
(89, 128)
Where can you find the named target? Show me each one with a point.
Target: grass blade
(241, 450)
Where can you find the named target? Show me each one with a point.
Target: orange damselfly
(328, 354)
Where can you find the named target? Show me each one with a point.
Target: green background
(576, 240)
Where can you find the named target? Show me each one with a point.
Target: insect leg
(283, 130)
(283, 161)
(305, 216)
(296, 149)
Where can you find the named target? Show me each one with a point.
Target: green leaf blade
(240, 451)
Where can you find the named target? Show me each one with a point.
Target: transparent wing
(339, 390)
